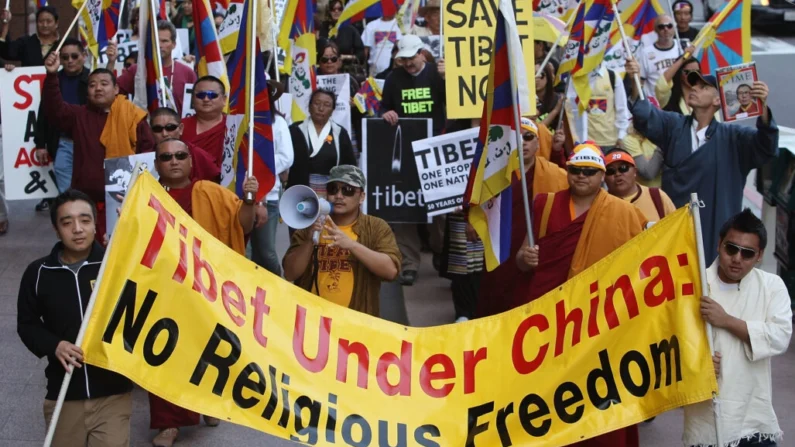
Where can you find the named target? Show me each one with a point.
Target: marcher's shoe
(436, 260)
(408, 277)
(166, 438)
(44, 205)
(211, 421)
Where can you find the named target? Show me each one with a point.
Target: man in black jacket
(49, 141)
(53, 296)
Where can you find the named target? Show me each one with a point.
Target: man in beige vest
(606, 118)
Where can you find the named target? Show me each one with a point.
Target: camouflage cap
(348, 174)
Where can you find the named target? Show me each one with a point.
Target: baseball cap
(348, 174)
(528, 124)
(695, 77)
(408, 46)
(618, 155)
(587, 155)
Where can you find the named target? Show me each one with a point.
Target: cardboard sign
(187, 102)
(340, 86)
(735, 85)
(118, 172)
(25, 177)
(393, 188)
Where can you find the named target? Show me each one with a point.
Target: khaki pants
(102, 422)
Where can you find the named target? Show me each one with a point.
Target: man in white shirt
(379, 37)
(607, 118)
(750, 313)
(656, 58)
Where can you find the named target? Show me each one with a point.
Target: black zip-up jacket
(52, 300)
(47, 136)
(26, 50)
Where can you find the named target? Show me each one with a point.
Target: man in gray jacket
(705, 156)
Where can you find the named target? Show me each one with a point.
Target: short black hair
(100, 71)
(170, 140)
(746, 222)
(71, 41)
(70, 195)
(737, 91)
(164, 111)
(324, 91)
(165, 25)
(209, 78)
(48, 9)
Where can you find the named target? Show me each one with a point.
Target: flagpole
(67, 378)
(251, 92)
(274, 52)
(161, 80)
(121, 14)
(676, 28)
(695, 211)
(517, 122)
(556, 43)
(441, 31)
(74, 22)
(630, 56)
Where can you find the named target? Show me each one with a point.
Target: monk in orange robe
(225, 217)
(496, 292)
(574, 229)
(207, 128)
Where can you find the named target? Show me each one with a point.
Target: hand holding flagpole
(627, 49)
(71, 26)
(251, 92)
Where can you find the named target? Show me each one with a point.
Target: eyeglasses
(528, 136)
(347, 190)
(733, 249)
(207, 94)
(67, 56)
(332, 59)
(663, 26)
(588, 172)
(623, 169)
(166, 157)
(170, 127)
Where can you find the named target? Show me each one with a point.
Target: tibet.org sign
(25, 177)
(468, 46)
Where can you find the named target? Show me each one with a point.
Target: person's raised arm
(671, 71)
(247, 210)
(58, 112)
(756, 146)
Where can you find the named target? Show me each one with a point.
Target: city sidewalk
(426, 304)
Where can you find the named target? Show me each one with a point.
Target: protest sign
(735, 84)
(187, 101)
(25, 177)
(468, 46)
(231, 144)
(124, 50)
(340, 86)
(227, 32)
(618, 344)
(443, 164)
(433, 44)
(393, 186)
(118, 172)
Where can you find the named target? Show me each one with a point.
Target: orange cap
(617, 156)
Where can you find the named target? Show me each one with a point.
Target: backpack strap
(656, 197)
(545, 214)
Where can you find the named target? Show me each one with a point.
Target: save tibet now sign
(190, 320)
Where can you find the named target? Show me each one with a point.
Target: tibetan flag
(368, 98)
(240, 95)
(297, 37)
(102, 19)
(151, 91)
(638, 22)
(162, 11)
(726, 39)
(409, 11)
(358, 10)
(209, 59)
(488, 193)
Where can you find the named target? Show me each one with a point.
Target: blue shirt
(69, 86)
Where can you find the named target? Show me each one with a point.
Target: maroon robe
(211, 140)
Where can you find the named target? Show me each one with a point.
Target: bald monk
(207, 128)
(223, 215)
(496, 292)
(574, 229)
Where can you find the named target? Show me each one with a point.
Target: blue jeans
(263, 242)
(63, 163)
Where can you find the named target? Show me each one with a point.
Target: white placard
(25, 178)
(187, 102)
(340, 86)
(183, 42)
(233, 123)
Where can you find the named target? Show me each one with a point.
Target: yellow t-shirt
(335, 270)
(642, 199)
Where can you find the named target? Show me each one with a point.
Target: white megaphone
(300, 207)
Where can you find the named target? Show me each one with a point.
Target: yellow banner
(468, 47)
(191, 321)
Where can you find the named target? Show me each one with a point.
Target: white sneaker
(461, 319)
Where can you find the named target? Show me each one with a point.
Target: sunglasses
(332, 59)
(623, 169)
(67, 56)
(588, 172)
(207, 94)
(528, 137)
(166, 157)
(170, 127)
(665, 26)
(347, 190)
(733, 249)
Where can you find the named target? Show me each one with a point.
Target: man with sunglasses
(356, 252)
(165, 124)
(621, 179)
(750, 313)
(655, 58)
(207, 128)
(574, 229)
(221, 213)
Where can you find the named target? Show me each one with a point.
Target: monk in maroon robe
(207, 128)
(166, 124)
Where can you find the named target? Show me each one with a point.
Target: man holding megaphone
(354, 252)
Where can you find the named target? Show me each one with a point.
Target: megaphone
(300, 207)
